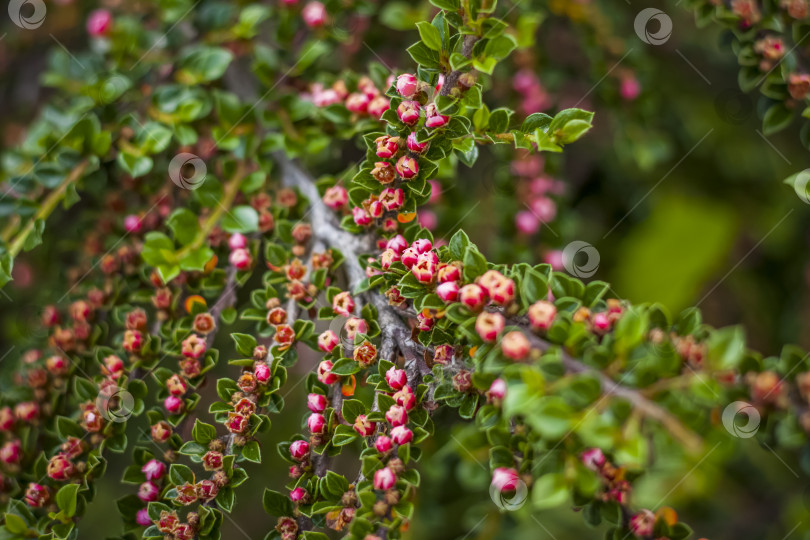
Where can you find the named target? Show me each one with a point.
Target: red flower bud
(408, 112)
(173, 404)
(401, 435)
(236, 422)
(387, 146)
(60, 468)
(193, 347)
(448, 292)
(316, 423)
(240, 259)
(383, 444)
(407, 167)
(161, 432)
(176, 385)
(299, 494)
(212, 460)
(414, 145)
(497, 390)
(407, 85)
(336, 197)
(396, 378)
(396, 416)
(325, 374)
(317, 403)
(378, 106)
(299, 450)
(643, 523)
(593, 458)
(237, 241)
(37, 495)
(99, 23)
(505, 479)
(432, 117)
(314, 14)
(262, 373)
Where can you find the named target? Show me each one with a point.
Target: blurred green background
(677, 189)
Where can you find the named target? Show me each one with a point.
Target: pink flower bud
(505, 479)
(343, 304)
(60, 468)
(299, 450)
(388, 257)
(328, 341)
(601, 323)
(433, 118)
(364, 426)
(396, 378)
(448, 292)
(142, 518)
(643, 523)
(7, 418)
(424, 270)
(526, 222)
(384, 479)
(376, 209)
(154, 469)
(325, 374)
(497, 390)
(336, 197)
(298, 494)
(316, 423)
(355, 325)
(173, 405)
(193, 347)
(37, 495)
(422, 245)
(630, 88)
(99, 23)
(387, 146)
(262, 373)
(401, 435)
(544, 209)
(378, 106)
(408, 112)
(410, 257)
(383, 444)
(148, 491)
(317, 403)
(398, 244)
(176, 385)
(361, 216)
(396, 416)
(515, 345)
(407, 85)
(407, 167)
(472, 296)
(314, 14)
(240, 259)
(392, 198)
(449, 272)
(357, 103)
(237, 241)
(132, 224)
(542, 314)
(26, 411)
(443, 354)
(593, 458)
(489, 325)
(414, 145)
(555, 259)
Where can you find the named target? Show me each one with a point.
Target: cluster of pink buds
(535, 98)
(615, 487)
(240, 257)
(535, 191)
(169, 524)
(366, 100)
